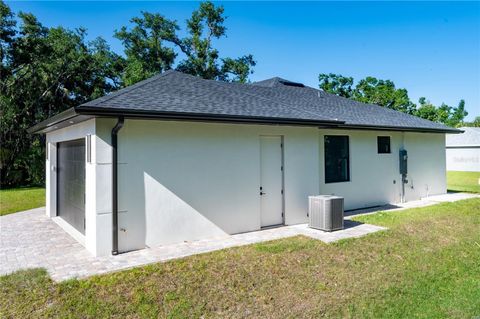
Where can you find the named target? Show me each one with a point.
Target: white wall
(76, 131)
(375, 178)
(463, 159)
(185, 181)
(98, 199)
(426, 165)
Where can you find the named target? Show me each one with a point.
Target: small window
(337, 166)
(383, 144)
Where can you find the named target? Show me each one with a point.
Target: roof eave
(58, 121)
(399, 128)
(148, 114)
(83, 113)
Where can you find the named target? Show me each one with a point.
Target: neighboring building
(200, 158)
(463, 150)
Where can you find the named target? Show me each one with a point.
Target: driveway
(30, 239)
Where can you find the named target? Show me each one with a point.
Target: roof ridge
(282, 102)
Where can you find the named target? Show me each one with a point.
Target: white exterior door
(271, 180)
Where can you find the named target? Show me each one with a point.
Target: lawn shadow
(350, 224)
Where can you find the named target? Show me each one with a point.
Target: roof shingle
(175, 92)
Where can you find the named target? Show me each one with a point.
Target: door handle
(262, 193)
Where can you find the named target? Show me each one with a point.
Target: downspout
(115, 131)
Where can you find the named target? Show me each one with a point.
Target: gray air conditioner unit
(325, 212)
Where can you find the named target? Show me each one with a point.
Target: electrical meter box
(403, 162)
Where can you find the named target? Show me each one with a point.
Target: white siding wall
(463, 159)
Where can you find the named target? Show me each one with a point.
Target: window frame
(389, 144)
(348, 179)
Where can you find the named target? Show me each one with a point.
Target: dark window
(383, 144)
(337, 166)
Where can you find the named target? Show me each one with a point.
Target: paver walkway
(30, 239)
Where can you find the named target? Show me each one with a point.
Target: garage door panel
(71, 183)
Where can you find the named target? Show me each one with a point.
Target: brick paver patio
(30, 239)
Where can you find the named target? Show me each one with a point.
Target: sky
(430, 48)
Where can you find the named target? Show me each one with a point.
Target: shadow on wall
(170, 219)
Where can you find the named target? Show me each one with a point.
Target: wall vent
(289, 83)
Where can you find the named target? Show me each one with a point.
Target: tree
(7, 34)
(336, 84)
(474, 123)
(427, 110)
(448, 115)
(458, 114)
(145, 46)
(152, 45)
(44, 71)
(205, 25)
(384, 93)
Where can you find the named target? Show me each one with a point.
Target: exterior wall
(426, 165)
(102, 159)
(465, 159)
(186, 181)
(183, 181)
(98, 203)
(375, 178)
(77, 131)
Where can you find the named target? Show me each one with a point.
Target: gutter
(115, 131)
(395, 128)
(52, 121)
(86, 112)
(205, 117)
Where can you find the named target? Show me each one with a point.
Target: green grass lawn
(18, 199)
(463, 181)
(427, 265)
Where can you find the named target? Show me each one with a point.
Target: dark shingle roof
(177, 93)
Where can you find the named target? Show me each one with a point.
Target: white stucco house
(177, 158)
(463, 150)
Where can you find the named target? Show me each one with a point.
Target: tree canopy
(44, 71)
(152, 45)
(474, 123)
(385, 93)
